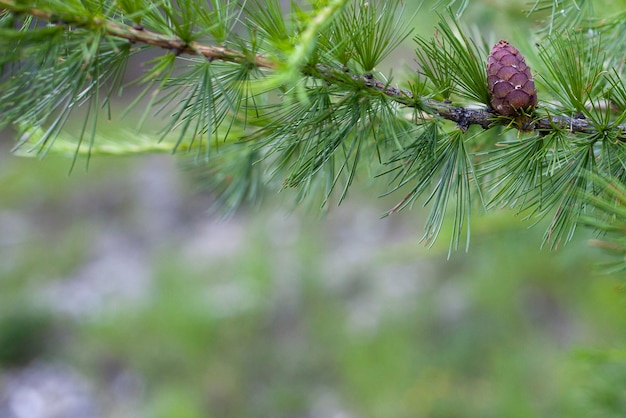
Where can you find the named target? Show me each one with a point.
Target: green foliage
(454, 63)
(611, 219)
(232, 192)
(210, 105)
(25, 334)
(372, 32)
(540, 174)
(440, 165)
(560, 15)
(271, 27)
(303, 35)
(575, 68)
(303, 91)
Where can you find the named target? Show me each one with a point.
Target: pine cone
(511, 84)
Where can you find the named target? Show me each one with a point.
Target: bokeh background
(122, 295)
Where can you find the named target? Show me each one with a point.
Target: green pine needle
(609, 219)
(560, 15)
(454, 63)
(542, 176)
(59, 86)
(373, 31)
(211, 102)
(574, 72)
(438, 163)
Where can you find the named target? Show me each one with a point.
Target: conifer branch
(138, 34)
(335, 102)
(464, 117)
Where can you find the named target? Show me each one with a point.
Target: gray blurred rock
(46, 391)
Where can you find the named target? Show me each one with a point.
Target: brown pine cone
(511, 84)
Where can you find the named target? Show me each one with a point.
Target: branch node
(464, 121)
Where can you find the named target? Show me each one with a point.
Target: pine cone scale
(506, 73)
(519, 79)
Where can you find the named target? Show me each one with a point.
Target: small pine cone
(511, 84)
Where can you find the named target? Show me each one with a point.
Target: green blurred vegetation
(270, 314)
(282, 315)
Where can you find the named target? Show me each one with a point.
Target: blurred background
(122, 296)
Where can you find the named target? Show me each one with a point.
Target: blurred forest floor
(121, 297)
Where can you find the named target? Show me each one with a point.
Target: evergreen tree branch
(462, 116)
(466, 116)
(138, 34)
(333, 110)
